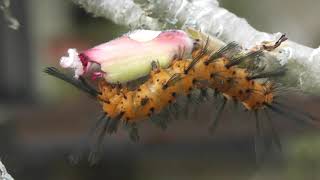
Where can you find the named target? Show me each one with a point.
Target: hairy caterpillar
(182, 66)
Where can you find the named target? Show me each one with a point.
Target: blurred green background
(43, 120)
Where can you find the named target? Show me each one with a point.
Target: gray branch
(206, 15)
(4, 175)
(13, 23)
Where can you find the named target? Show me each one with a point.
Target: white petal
(65, 62)
(73, 62)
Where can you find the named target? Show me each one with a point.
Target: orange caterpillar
(216, 70)
(180, 78)
(230, 71)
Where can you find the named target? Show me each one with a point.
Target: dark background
(43, 120)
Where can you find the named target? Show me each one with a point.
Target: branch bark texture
(4, 175)
(209, 17)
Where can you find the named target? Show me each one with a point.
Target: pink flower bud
(130, 56)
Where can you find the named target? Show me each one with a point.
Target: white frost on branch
(209, 17)
(4, 175)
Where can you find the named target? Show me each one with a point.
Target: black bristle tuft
(114, 124)
(198, 57)
(97, 147)
(173, 79)
(274, 133)
(228, 51)
(240, 59)
(258, 144)
(161, 120)
(133, 132)
(292, 113)
(80, 84)
(214, 123)
(276, 73)
(262, 142)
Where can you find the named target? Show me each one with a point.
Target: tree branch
(13, 23)
(122, 12)
(4, 175)
(206, 15)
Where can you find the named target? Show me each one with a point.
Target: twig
(5, 8)
(4, 175)
(207, 16)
